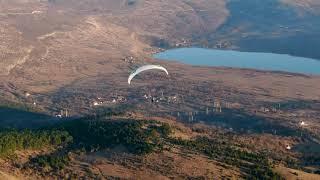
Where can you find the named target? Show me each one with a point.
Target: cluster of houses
(129, 59)
(223, 44)
(36, 12)
(101, 101)
(268, 110)
(154, 99)
(182, 43)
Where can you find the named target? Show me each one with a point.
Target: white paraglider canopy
(145, 68)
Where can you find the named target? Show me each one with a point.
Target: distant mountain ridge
(288, 27)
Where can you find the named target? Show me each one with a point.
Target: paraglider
(145, 68)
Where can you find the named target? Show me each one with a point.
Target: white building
(59, 116)
(288, 147)
(302, 123)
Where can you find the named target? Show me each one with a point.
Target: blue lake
(236, 59)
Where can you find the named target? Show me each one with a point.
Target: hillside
(49, 47)
(136, 147)
(71, 40)
(61, 57)
(286, 27)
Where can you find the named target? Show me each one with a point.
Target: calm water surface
(251, 60)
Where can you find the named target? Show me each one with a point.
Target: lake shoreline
(271, 62)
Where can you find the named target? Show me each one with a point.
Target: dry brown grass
(71, 52)
(72, 40)
(293, 174)
(177, 164)
(80, 44)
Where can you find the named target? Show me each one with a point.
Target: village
(198, 106)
